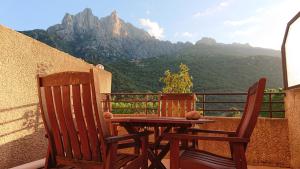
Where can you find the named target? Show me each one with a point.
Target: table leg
(155, 163)
(184, 143)
(156, 159)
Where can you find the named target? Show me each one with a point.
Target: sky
(260, 23)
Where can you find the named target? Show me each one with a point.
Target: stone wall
(292, 108)
(21, 59)
(269, 143)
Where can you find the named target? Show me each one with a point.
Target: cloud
(242, 22)
(152, 28)
(266, 27)
(187, 34)
(184, 35)
(214, 9)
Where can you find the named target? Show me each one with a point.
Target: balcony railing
(212, 104)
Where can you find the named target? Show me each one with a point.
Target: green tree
(178, 82)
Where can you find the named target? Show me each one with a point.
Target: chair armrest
(115, 139)
(211, 131)
(174, 136)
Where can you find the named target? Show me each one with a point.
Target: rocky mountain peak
(116, 24)
(67, 20)
(114, 15)
(86, 25)
(87, 12)
(207, 41)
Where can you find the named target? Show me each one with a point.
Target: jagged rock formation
(86, 36)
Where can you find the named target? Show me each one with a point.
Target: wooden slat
(169, 102)
(182, 109)
(181, 96)
(163, 108)
(69, 122)
(65, 78)
(122, 159)
(82, 130)
(100, 122)
(79, 164)
(175, 108)
(62, 122)
(94, 142)
(53, 121)
(188, 105)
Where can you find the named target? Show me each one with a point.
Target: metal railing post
(270, 105)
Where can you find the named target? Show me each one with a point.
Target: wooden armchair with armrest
(238, 140)
(77, 133)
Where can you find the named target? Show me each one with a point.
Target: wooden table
(130, 124)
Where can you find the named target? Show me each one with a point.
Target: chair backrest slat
(163, 108)
(169, 103)
(81, 125)
(252, 109)
(188, 105)
(53, 128)
(176, 105)
(71, 117)
(62, 121)
(91, 127)
(70, 122)
(175, 108)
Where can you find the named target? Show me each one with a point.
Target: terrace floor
(167, 162)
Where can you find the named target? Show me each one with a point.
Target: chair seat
(122, 160)
(191, 159)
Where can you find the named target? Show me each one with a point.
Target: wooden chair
(238, 140)
(174, 105)
(77, 133)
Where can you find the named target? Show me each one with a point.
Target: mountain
(137, 59)
(86, 36)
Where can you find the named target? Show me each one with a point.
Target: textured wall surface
(21, 59)
(292, 108)
(268, 146)
(269, 141)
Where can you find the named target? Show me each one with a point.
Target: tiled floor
(167, 163)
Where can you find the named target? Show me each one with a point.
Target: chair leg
(144, 141)
(156, 135)
(239, 155)
(50, 162)
(195, 142)
(111, 156)
(174, 154)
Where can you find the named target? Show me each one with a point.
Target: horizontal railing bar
(226, 110)
(218, 102)
(223, 110)
(128, 101)
(114, 101)
(206, 93)
(138, 108)
(130, 93)
(237, 93)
